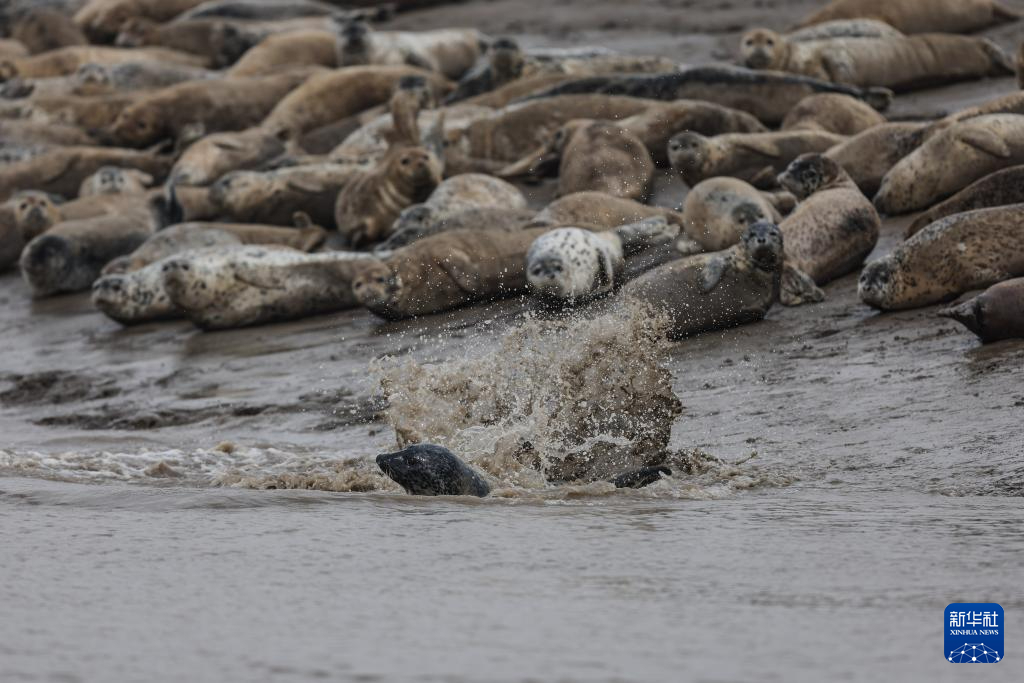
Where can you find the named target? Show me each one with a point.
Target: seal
(334, 95)
(254, 285)
(834, 227)
(214, 156)
(91, 79)
(454, 196)
(445, 271)
(1020, 66)
(716, 291)
(281, 51)
(867, 157)
(216, 105)
(33, 213)
(418, 222)
(768, 96)
(718, 211)
(67, 60)
(264, 10)
(101, 19)
(1012, 103)
(89, 113)
(950, 161)
(200, 235)
(36, 133)
(953, 255)
(844, 28)
(641, 478)
(61, 170)
(41, 30)
(754, 157)
(902, 63)
(411, 169)
(273, 197)
(428, 470)
(996, 314)
(12, 49)
(996, 189)
(919, 16)
(570, 266)
(832, 113)
(594, 156)
(115, 180)
(599, 211)
(450, 52)
(70, 255)
(138, 296)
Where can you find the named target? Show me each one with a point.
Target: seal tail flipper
(798, 288)
(1001, 62)
(638, 236)
(967, 314)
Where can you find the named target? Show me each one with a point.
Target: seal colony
(241, 163)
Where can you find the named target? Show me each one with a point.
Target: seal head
(879, 280)
(762, 49)
(377, 285)
(428, 470)
(763, 244)
(807, 174)
(689, 153)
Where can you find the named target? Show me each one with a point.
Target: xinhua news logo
(974, 633)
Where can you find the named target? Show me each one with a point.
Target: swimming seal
(569, 266)
(994, 315)
(428, 470)
(953, 255)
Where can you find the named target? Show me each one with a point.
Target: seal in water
(754, 157)
(919, 16)
(950, 161)
(951, 256)
(834, 227)
(995, 315)
(569, 266)
(638, 479)
(901, 63)
(428, 470)
(716, 291)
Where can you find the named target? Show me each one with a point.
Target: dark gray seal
(428, 470)
(994, 315)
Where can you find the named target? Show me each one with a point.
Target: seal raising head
(808, 173)
(427, 470)
(763, 245)
(763, 49)
(34, 213)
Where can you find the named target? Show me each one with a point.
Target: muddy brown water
(869, 471)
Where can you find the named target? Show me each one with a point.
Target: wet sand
(886, 482)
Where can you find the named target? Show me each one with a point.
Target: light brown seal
(12, 49)
(719, 210)
(832, 113)
(41, 30)
(61, 170)
(249, 285)
(754, 157)
(213, 156)
(592, 156)
(67, 60)
(996, 189)
(903, 63)
(869, 156)
(845, 28)
(102, 19)
(919, 16)
(219, 43)
(442, 272)
(953, 255)
(950, 161)
(33, 213)
(834, 227)
(472, 218)
(286, 50)
(596, 210)
(340, 93)
(69, 256)
(450, 52)
(115, 180)
(994, 315)
(220, 105)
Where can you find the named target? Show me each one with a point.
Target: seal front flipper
(986, 141)
(638, 479)
(463, 271)
(798, 288)
(714, 271)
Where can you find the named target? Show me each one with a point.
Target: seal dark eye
(771, 43)
(748, 42)
(23, 206)
(406, 161)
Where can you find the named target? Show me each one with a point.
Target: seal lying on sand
(832, 113)
(950, 161)
(451, 52)
(213, 156)
(594, 156)
(995, 315)
(919, 16)
(951, 256)
(69, 256)
(834, 227)
(445, 271)
(754, 157)
(719, 210)
(869, 156)
(67, 60)
(597, 210)
(843, 28)
(475, 218)
(569, 266)
(901, 63)
(250, 285)
(114, 180)
(768, 96)
(996, 189)
(101, 19)
(716, 291)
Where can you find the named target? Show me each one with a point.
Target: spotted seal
(833, 113)
(994, 315)
(996, 189)
(919, 16)
(428, 470)
(569, 266)
(867, 157)
(843, 28)
(953, 255)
